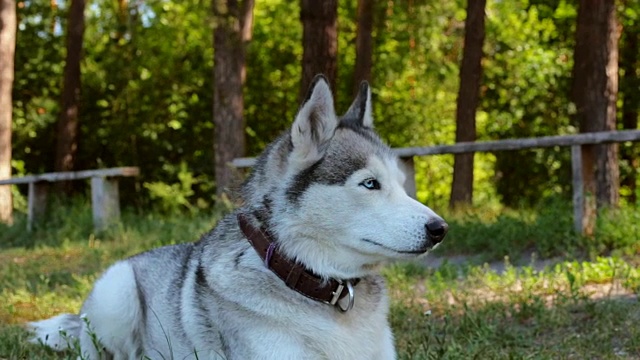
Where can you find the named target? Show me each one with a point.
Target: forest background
(147, 91)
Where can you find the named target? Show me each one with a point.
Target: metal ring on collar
(352, 296)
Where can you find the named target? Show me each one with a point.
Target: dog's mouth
(419, 251)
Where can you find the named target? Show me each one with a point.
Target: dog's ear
(315, 123)
(360, 112)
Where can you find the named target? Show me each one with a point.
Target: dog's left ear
(360, 112)
(315, 123)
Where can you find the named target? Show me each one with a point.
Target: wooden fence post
(410, 172)
(578, 189)
(584, 205)
(105, 202)
(37, 202)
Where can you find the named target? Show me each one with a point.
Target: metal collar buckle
(336, 295)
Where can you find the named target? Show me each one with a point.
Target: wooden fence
(581, 217)
(105, 198)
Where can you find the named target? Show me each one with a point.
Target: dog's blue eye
(371, 184)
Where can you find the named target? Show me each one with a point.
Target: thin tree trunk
(7, 51)
(123, 18)
(233, 21)
(246, 24)
(594, 91)
(631, 83)
(54, 9)
(364, 44)
(608, 174)
(68, 122)
(468, 95)
(319, 41)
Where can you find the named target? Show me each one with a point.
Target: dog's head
(332, 191)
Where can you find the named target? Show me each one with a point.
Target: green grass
(546, 230)
(586, 310)
(574, 309)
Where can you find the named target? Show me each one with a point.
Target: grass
(572, 309)
(586, 310)
(546, 230)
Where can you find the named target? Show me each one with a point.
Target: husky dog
(292, 274)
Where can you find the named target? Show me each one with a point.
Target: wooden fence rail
(522, 144)
(574, 141)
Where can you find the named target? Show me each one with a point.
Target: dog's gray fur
(331, 193)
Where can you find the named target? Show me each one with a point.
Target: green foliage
(172, 198)
(415, 81)
(19, 200)
(527, 73)
(147, 89)
(146, 95)
(149, 101)
(36, 88)
(273, 72)
(618, 230)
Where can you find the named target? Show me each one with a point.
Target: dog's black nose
(436, 230)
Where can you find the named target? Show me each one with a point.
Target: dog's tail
(59, 332)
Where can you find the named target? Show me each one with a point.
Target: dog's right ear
(315, 123)
(360, 112)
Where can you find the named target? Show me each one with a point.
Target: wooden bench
(105, 199)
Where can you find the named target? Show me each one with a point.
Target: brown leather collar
(293, 273)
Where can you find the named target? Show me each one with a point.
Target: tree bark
(608, 176)
(468, 95)
(630, 62)
(319, 41)
(123, 18)
(68, 122)
(7, 52)
(594, 92)
(364, 45)
(233, 20)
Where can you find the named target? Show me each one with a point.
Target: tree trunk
(468, 94)
(68, 122)
(233, 21)
(631, 83)
(319, 41)
(123, 18)
(7, 51)
(364, 45)
(594, 92)
(608, 174)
